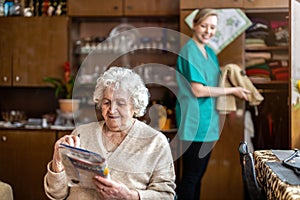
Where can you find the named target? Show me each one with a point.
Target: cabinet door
(151, 7)
(95, 8)
(6, 49)
(24, 155)
(193, 4)
(40, 50)
(24, 52)
(266, 4)
(51, 49)
(224, 170)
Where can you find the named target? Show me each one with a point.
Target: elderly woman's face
(206, 29)
(117, 109)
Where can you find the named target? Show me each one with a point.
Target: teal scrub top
(197, 118)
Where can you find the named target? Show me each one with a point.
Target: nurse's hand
(242, 93)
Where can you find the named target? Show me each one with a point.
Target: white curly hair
(128, 80)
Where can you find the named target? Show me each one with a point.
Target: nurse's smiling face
(206, 29)
(117, 109)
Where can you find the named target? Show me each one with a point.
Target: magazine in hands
(82, 166)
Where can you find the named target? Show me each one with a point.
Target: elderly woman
(138, 156)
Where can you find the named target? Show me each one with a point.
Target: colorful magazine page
(82, 166)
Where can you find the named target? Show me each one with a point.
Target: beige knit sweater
(233, 76)
(143, 162)
(6, 192)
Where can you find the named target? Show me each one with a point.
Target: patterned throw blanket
(274, 186)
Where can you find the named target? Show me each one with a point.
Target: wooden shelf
(273, 82)
(267, 48)
(273, 87)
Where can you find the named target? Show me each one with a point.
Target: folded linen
(233, 76)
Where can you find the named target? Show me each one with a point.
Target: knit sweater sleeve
(55, 184)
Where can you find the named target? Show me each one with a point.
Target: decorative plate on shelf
(125, 36)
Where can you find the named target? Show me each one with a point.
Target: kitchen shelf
(267, 48)
(272, 82)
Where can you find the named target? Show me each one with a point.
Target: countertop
(23, 126)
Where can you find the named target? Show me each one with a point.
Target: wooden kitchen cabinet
(247, 4)
(92, 53)
(270, 118)
(32, 48)
(94, 8)
(257, 4)
(24, 155)
(152, 7)
(6, 51)
(94, 61)
(193, 4)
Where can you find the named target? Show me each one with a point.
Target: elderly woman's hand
(109, 189)
(71, 140)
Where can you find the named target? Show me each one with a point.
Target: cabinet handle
(4, 138)
(17, 78)
(5, 79)
(129, 7)
(116, 8)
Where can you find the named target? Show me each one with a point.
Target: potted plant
(64, 90)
